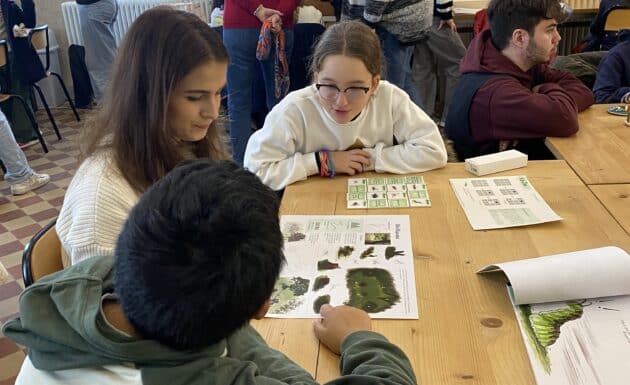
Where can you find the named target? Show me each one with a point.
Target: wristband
(257, 9)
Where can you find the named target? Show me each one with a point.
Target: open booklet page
(583, 339)
(499, 202)
(365, 261)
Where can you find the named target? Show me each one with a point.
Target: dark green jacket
(62, 326)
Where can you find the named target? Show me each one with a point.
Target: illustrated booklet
(365, 261)
(573, 311)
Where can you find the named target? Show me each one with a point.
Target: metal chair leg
(65, 91)
(50, 116)
(31, 117)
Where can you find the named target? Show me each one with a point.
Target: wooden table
(616, 198)
(467, 332)
(600, 151)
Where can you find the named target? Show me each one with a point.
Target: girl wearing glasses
(348, 121)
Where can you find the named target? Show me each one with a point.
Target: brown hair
(505, 16)
(161, 47)
(349, 38)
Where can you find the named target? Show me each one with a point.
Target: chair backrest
(617, 19)
(4, 53)
(39, 40)
(42, 255)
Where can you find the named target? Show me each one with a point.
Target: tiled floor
(22, 216)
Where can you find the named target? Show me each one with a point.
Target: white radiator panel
(128, 11)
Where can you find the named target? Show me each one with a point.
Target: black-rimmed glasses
(331, 92)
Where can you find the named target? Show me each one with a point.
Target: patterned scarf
(281, 65)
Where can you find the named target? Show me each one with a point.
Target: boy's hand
(339, 322)
(350, 162)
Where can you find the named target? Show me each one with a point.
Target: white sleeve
(94, 210)
(420, 146)
(272, 152)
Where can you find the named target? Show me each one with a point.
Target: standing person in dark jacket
(96, 18)
(508, 97)
(612, 84)
(442, 44)
(26, 68)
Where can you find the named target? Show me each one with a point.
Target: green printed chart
(387, 192)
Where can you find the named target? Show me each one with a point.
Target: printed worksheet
(365, 261)
(387, 192)
(573, 310)
(508, 201)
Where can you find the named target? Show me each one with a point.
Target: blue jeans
(242, 70)
(398, 61)
(13, 158)
(98, 38)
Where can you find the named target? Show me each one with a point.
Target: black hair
(199, 254)
(505, 16)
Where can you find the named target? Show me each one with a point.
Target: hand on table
(339, 322)
(350, 162)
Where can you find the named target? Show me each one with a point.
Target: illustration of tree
(345, 251)
(369, 252)
(320, 282)
(287, 294)
(390, 252)
(543, 329)
(325, 264)
(293, 232)
(371, 289)
(322, 300)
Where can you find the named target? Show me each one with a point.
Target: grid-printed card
(387, 192)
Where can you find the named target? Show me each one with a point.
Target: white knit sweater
(94, 209)
(283, 151)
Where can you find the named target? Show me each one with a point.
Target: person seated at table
(348, 121)
(508, 97)
(197, 259)
(612, 84)
(161, 108)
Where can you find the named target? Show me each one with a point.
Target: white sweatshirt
(94, 209)
(283, 151)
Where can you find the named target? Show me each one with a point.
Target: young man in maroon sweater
(508, 97)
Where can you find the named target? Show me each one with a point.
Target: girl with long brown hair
(161, 108)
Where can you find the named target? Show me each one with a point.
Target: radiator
(128, 10)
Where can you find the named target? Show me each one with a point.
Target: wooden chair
(617, 19)
(42, 255)
(39, 40)
(4, 62)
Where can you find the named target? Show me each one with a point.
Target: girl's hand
(350, 162)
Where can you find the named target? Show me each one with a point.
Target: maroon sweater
(505, 108)
(240, 13)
